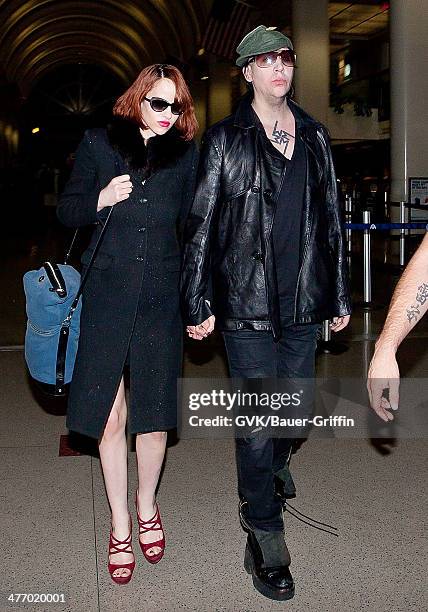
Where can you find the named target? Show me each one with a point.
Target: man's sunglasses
(267, 60)
(159, 105)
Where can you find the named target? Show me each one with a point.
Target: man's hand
(203, 330)
(383, 374)
(339, 323)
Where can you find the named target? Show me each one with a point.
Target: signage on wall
(418, 196)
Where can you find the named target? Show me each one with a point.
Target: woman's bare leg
(114, 461)
(150, 449)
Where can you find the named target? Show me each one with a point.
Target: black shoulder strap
(70, 248)
(88, 269)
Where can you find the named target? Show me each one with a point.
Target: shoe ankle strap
(150, 525)
(115, 544)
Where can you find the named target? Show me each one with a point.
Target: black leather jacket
(228, 233)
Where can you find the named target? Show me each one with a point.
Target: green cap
(261, 40)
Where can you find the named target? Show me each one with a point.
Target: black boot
(267, 559)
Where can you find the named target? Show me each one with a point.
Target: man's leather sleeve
(197, 235)
(336, 234)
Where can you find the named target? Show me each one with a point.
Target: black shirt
(286, 228)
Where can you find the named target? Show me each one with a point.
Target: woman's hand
(116, 191)
(203, 330)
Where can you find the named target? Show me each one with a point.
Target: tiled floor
(55, 518)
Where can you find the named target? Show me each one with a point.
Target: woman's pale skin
(150, 447)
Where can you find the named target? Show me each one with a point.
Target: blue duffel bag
(53, 304)
(53, 324)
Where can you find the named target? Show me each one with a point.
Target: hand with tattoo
(384, 375)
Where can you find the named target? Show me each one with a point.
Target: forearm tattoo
(422, 294)
(281, 137)
(414, 311)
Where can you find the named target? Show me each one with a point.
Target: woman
(144, 165)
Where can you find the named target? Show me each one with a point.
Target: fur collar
(161, 151)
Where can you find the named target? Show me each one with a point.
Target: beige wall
(311, 41)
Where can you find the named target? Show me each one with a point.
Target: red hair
(128, 105)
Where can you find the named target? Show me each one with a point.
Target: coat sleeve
(196, 269)
(342, 297)
(78, 203)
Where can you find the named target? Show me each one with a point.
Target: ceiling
(37, 36)
(357, 19)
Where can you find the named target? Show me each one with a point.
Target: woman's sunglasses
(159, 105)
(266, 60)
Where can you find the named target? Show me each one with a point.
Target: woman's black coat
(130, 308)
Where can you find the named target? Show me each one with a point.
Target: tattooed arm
(408, 305)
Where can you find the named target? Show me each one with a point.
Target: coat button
(255, 189)
(141, 229)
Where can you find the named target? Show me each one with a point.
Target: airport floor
(55, 515)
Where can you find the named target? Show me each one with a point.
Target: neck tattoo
(281, 137)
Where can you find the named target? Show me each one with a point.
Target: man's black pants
(254, 354)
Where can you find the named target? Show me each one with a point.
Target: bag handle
(56, 279)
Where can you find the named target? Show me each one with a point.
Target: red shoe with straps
(119, 546)
(154, 524)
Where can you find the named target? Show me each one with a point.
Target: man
(408, 305)
(265, 231)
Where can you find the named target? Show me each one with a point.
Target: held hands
(203, 330)
(339, 323)
(116, 191)
(383, 374)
